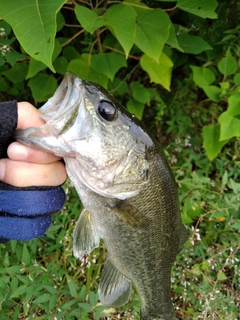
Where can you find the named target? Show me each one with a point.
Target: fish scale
(129, 194)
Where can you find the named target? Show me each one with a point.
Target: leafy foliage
(175, 65)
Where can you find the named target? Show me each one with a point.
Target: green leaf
(234, 105)
(45, 297)
(93, 298)
(152, 31)
(72, 287)
(230, 126)
(212, 92)
(228, 65)
(35, 67)
(108, 63)
(83, 293)
(118, 86)
(83, 70)
(42, 86)
(202, 76)
(88, 19)
(172, 40)
(193, 44)
(120, 20)
(17, 73)
(60, 21)
(211, 143)
(2, 60)
(139, 92)
(52, 302)
(236, 79)
(3, 84)
(19, 291)
(13, 56)
(69, 304)
(196, 269)
(221, 276)
(135, 108)
(236, 226)
(70, 53)
(158, 72)
(201, 8)
(60, 65)
(37, 18)
(85, 306)
(25, 255)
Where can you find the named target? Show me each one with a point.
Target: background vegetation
(175, 65)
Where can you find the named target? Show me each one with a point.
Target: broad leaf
(193, 44)
(152, 31)
(42, 86)
(17, 73)
(211, 143)
(42, 298)
(108, 63)
(158, 72)
(236, 79)
(228, 65)
(88, 19)
(28, 18)
(13, 56)
(61, 65)
(230, 126)
(202, 76)
(19, 291)
(139, 92)
(135, 108)
(234, 105)
(93, 298)
(172, 40)
(35, 66)
(201, 8)
(212, 92)
(120, 20)
(83, 70)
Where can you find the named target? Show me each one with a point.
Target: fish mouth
(66, 119)
(69, 92)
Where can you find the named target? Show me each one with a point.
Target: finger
(23, 174)
(28, 116)
(19, 152)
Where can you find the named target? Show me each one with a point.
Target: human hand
(26, 166)
(25, 210)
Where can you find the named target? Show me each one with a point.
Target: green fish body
(129, 194)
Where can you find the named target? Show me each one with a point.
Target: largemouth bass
(127, 189)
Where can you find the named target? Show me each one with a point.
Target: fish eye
(107, 110)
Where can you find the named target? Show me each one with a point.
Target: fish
(127, 189)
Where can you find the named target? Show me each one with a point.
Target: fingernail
(17, 151)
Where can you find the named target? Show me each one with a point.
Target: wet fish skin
(127, 189)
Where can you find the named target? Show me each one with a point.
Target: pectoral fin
(130, 215)
(114, 289)
(85, 236)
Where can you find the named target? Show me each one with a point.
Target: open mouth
(68, 93)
